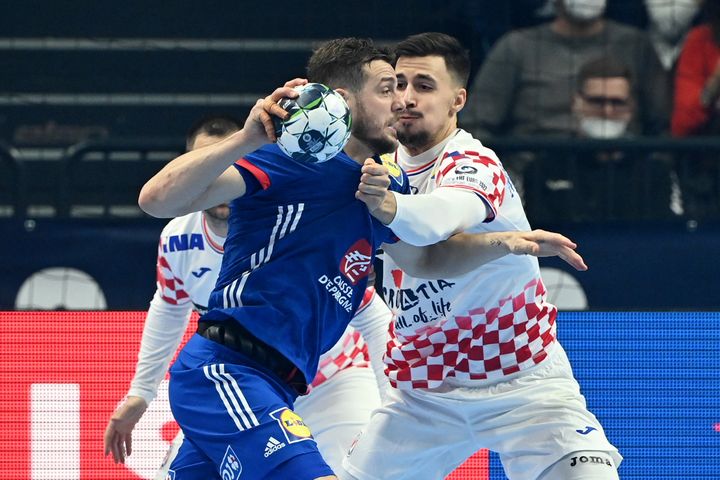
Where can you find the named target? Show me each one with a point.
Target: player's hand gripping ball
(318, 127)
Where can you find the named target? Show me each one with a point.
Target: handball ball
(318, 127)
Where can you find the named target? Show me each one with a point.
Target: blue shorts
(237, 419)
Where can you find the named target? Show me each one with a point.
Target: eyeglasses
(600, 102)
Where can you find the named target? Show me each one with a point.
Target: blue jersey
(298, 253)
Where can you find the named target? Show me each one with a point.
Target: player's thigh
(584, 465)
(338, 409)
(411, 437)
(190, 463)
(544, 418)
(241, 421)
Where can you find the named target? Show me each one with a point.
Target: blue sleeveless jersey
(298, 253)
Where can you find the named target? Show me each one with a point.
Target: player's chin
(221, 212)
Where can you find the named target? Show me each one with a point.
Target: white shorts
(335, 411)
(531, 420)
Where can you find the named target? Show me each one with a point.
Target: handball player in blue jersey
(299, 249)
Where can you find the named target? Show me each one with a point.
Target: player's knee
(583, 465)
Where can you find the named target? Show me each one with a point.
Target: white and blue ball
(318, 127)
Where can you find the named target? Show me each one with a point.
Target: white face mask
(671, 18)
(596, 127)
(584, 10)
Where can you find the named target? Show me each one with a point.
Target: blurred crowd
(599, 69)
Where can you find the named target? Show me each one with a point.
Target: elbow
(150, 202)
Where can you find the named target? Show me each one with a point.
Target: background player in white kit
(475, 362)
(345, 390)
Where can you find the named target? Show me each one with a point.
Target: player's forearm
(430, 218)
(164, 327)
(456, 256)
(373, 323)
(183, 183)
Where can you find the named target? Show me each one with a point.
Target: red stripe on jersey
(367, 298)
(213, 244)
(256, 172)
(420, 169)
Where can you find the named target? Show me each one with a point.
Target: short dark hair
(603, 67)
(214, 126)
(457, 58)
(339, 63)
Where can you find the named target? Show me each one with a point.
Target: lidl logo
(292, 425)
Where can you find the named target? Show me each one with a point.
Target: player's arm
(422, 219)
(164, 327)
(465, 252)
(373, 323)
(203, 178)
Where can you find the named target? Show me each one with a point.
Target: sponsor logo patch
(230, 468)
(355, 264)
(292, 425)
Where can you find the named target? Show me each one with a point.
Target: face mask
(584, 10)
(596, 127)
(671, 18)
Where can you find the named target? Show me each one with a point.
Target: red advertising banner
(61, 376)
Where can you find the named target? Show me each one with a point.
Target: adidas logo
(273, 446)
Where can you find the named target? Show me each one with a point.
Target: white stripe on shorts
(226, 392)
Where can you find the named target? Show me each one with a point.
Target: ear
(459, 100)
(343, 93)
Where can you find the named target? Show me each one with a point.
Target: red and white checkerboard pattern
(485, 344)
(350, 351)
(171, 288)
(489, 180)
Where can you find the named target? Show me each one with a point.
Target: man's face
(609, 98)
(375, 108)
(222, 211)
(432, 99)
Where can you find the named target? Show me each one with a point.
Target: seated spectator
(525, 85)
(669, 22)
(697, 81)
(608, 184)
(697, 112)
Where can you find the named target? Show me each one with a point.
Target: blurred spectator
(525, 85)
(695, 112)
(697, 81)
(608, 184)
(669, 22)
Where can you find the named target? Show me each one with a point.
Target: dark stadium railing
(12, 188)
(102, 178)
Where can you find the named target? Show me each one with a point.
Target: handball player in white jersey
(344, 391)
(474, 362)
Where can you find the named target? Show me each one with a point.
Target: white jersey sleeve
(189, 258)
(164, 327)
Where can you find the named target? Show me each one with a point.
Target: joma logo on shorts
(595, 460)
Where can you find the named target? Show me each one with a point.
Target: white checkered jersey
(189, 260)
(349, 351)
(489, 323)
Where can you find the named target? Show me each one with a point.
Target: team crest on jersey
(292, 425)
(393, 168)
(230, 468)
(356, 262)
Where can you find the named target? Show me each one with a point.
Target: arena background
(95, 96)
